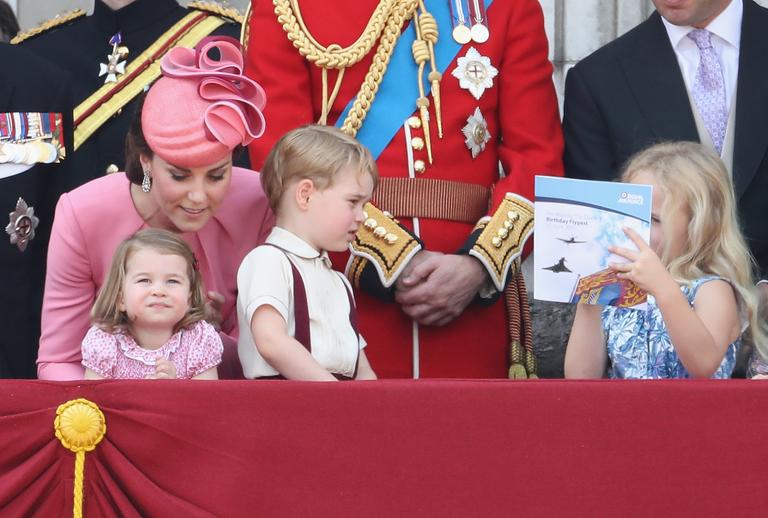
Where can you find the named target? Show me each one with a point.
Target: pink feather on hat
(202, 108)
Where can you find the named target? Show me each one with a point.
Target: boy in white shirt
(296, 315)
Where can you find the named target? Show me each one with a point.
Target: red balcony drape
(393, 448)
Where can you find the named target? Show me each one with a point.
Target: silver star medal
(475, 72)
(476, 134)
(22, 225)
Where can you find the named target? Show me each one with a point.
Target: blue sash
(396, 98)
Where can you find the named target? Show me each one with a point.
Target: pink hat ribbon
(235, 115)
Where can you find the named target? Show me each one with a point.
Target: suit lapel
(657, 84)
(751, 137)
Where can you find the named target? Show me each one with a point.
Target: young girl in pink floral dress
(149, 316)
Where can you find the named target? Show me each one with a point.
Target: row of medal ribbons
(470, 22)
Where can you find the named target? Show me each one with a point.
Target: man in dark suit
(35, 152)
(642, 88)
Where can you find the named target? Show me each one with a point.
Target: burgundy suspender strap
(300, 306)
(353, 323)
(300, 309)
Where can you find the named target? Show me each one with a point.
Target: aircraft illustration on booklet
(558, 267)
(571, 241)
(576, 222)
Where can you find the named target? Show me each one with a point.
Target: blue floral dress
(639, 345)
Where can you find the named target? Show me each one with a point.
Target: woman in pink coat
(179, 176)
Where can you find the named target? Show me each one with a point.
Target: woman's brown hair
(135, 146)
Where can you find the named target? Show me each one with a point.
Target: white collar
(727, 26)
(290, 242)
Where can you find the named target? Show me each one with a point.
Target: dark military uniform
(81, 44)
(30, 85)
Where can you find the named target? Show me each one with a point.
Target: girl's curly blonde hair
(695, 180)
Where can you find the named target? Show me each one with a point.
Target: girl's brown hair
(105, 313)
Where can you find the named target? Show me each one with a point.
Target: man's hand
(438, 288)
(406, 279)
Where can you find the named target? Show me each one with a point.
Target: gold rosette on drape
(80, 426)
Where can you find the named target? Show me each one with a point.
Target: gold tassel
(530, 364)
(429, 32)
(423, 104)
(516, 368)
(420, 51)
(522, 359)
(517, 372)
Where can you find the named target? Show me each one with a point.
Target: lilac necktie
(709, 88)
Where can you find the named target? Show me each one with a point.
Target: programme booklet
(575, 223)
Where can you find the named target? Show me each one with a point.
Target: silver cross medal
(114, 67)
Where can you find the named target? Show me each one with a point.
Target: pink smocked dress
(117, 355)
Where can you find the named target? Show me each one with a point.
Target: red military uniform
(520, 109)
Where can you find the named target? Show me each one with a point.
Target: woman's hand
(213, 309)
(644, 267)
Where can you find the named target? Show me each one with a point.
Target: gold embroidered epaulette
(503, 236)
(59, 19)
(384, 243)
(217, 9)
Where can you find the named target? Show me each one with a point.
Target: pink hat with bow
(202, 108)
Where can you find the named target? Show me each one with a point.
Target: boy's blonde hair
(316, 153)
(694, 179)
(105, 313)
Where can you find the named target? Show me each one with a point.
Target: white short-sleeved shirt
(265, 277)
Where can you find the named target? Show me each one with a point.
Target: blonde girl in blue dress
(697, 271)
